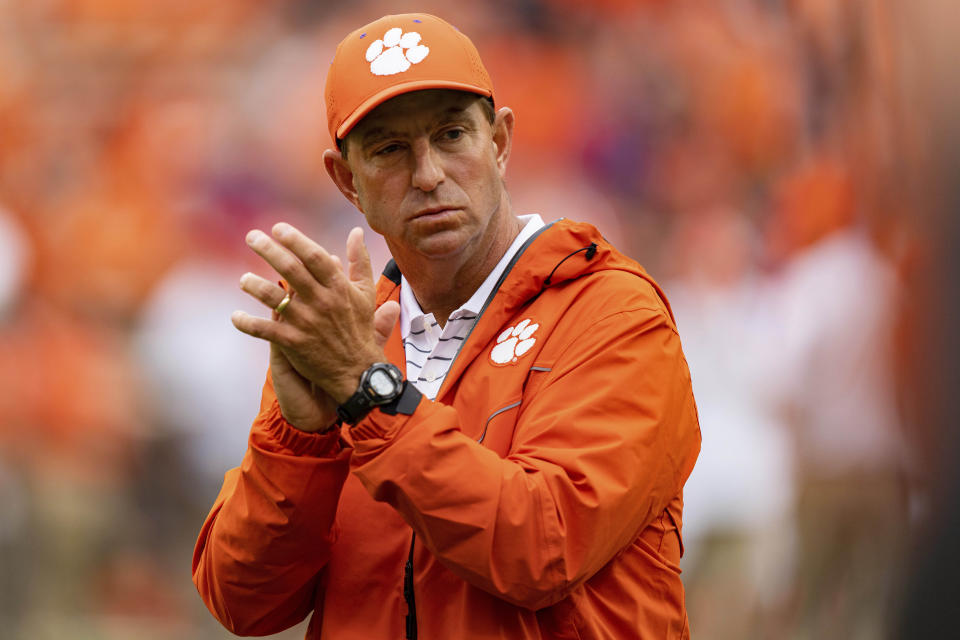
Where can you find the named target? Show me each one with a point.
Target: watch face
(382, 383)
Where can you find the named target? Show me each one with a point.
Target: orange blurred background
(776, 164)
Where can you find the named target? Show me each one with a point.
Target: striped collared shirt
(430, 348)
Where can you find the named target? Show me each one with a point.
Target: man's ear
(503, 136)
(341, 174)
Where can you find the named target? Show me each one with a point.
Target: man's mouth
(432, 211)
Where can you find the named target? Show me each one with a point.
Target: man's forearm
(268, 536)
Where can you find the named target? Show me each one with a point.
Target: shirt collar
(410, 309)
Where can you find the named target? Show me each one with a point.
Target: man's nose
(427, 171)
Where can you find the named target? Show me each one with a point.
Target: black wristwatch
(381, 385)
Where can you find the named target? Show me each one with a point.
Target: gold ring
(283, 303)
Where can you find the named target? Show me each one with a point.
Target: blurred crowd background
(776, 164)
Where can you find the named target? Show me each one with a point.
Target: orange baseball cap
(395, 55)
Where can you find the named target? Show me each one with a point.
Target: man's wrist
(349, 382)
(336, 424)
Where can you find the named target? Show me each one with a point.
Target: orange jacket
(538, 497)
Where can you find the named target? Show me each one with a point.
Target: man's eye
(390, 148)
(453, 134)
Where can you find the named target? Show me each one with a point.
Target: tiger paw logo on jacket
(513, 342)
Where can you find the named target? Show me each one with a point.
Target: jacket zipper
(411, 622)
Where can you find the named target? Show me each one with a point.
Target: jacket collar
(558, 252)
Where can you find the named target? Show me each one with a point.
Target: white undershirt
(430, 350)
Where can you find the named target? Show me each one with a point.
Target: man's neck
(441, 286)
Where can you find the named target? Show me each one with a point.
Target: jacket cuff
(377, 427)
(273, 433)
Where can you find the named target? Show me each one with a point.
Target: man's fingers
(268, 293)
(285, 263)
(358, 261)
(262, 328)
(384, 320)
(315, 258)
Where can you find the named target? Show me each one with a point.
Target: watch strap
(406, 403)
(354, 409)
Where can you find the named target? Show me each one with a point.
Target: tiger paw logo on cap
(513, 343)
(395, 52)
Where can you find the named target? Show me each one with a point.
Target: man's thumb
(384, 320)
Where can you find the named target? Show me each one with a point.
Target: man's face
(427, 167)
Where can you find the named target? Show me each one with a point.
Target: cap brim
(380, 97)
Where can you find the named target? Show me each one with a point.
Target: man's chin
(442, 245)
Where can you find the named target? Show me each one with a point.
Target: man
(523, 478)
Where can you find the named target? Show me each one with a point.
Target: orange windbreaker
(536, 498)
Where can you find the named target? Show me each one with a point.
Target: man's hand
(330, 332)
(302, 404)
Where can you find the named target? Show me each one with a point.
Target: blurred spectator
(738, 501)
(70, 427)
(14, 496)
(837, 300)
